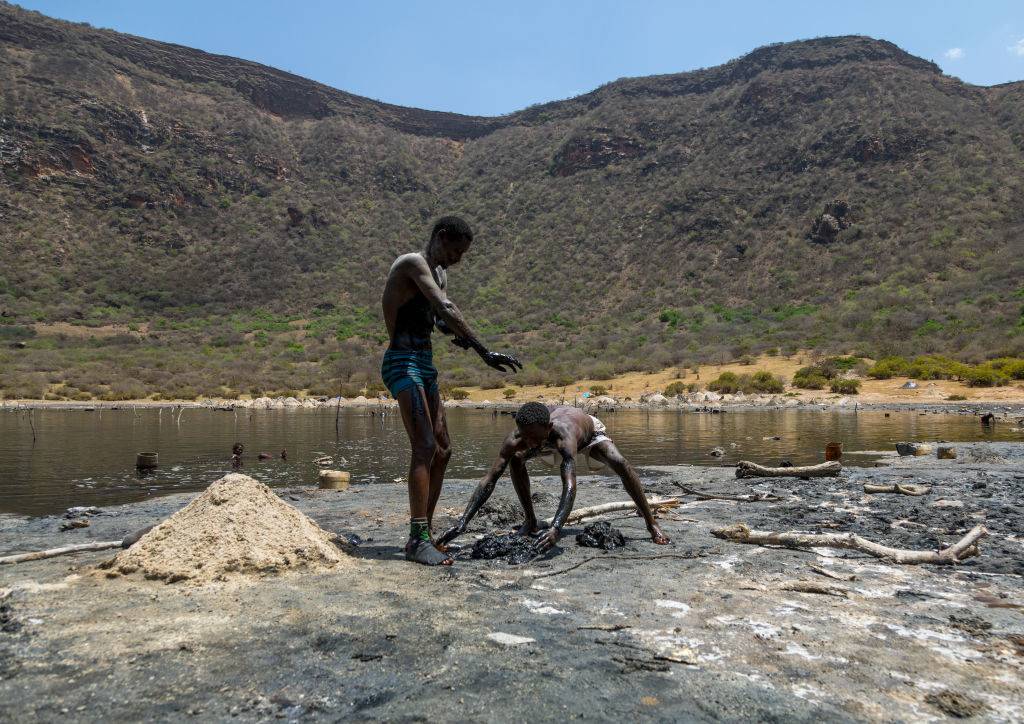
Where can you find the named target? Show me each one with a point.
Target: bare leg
(607, 453)
(521, 483)
(442, 453)
(419, 427)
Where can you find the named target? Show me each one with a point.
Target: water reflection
(88, 458)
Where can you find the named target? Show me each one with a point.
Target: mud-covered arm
(446, 311)
(444, 308)
(481, 494)
(568, 472)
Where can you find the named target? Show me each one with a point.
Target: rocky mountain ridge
(837, 193)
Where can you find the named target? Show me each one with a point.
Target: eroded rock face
(594, 151)
(890, 147)
(828, 224)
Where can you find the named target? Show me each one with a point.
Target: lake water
(88, 458)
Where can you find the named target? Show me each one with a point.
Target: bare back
(572, 429)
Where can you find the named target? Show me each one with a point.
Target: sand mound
(236, 527)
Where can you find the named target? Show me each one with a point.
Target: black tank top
(413, 324)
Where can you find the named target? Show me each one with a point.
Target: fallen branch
(812, 587)
(907, 489)
(830, 574)
(54, 552)
(747, 469)
(964, 548)
(753, 498)
(578, 515)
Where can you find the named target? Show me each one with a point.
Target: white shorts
(599, 435)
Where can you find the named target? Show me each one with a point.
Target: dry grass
(635, 384)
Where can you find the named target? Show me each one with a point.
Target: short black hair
(454, 227)
(532, 413)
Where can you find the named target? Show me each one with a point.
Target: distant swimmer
(236, 455)
(567, 431)
(415, 300)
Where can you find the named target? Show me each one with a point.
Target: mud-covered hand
(545, 540)
(500, 361)
(451, 534)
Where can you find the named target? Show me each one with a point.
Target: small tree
(675, 388)
(509, 393)
(845, 386)
(457, 393)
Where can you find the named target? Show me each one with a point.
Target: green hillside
(236, 222)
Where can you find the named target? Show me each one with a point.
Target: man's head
(534, 423)
(449, 240)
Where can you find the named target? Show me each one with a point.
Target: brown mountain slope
(651, 221)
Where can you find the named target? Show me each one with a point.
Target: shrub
(457, 393)
(692, 387)
(675, 388)
(727, 383)
(888, 367)
(845, 386)
(809, 378)
(984, 376)
(956, 398)
(16, 332)
(671, 317)
(598, 390)
(1012, 367)
(765, 381)
(602, 372)
(509, 393)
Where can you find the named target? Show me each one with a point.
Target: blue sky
(489, 58)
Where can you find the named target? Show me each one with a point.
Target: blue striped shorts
(403, 369)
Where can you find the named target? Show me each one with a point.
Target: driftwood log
(963, 548)
(902, 489)
(746, 469)
(126, 542)
(578, 515)
(54, 552)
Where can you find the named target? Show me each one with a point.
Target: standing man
(414, 301)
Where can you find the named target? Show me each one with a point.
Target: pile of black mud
(601, 535)
(515, 549)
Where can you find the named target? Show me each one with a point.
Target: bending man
(414, 301)
(567, 431)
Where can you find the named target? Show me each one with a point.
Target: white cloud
(1017, 48)
(954, 53)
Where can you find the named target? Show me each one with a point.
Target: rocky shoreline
(699, 630)
(708, 402)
